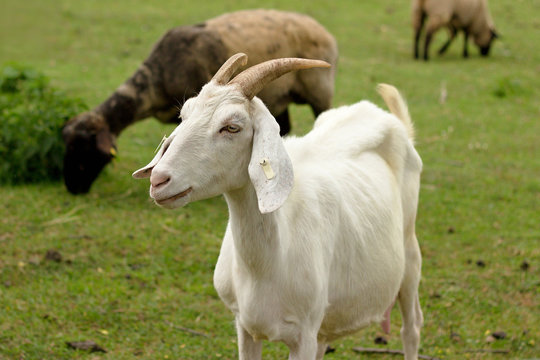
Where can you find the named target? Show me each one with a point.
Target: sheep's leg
(465, 45)
(248, 349)
(317, 89)
(426, 45)
(453, 33)
(433, 24)
(318, 110)
(284, 122)
(419, 18)
(409, 303)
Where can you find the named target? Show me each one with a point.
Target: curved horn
(226, 71)
(252, 80)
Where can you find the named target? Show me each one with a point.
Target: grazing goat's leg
(248, 349)
(409, 304)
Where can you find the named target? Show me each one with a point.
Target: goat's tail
(397, 106)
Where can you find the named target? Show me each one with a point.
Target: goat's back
(349, 131)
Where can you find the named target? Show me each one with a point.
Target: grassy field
(133, 276)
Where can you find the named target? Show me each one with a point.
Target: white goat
(313, 256)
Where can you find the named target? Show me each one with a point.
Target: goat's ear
(270, 168)
(146, 171)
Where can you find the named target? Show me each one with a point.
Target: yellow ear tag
(268, 172)
(113, 152)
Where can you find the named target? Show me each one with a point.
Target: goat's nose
(159, 179)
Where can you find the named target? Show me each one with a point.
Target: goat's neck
(256, 235)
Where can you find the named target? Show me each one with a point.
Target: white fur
(337, 243)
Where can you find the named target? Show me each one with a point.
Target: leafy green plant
(507, 87)
(32, 114)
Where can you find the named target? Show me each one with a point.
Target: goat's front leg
(305, 348)
(248, 349)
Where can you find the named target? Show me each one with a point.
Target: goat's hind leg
(409, 303)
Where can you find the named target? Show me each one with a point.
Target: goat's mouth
(173, 198)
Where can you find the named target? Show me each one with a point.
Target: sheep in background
(471, 16)
(185, 59)
(321, 235)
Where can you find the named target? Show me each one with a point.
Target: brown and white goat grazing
(321, 234)
(470, 16)
(185, 59)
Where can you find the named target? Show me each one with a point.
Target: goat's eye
(231, 129)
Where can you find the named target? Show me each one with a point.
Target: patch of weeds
(32, 114)
(507, 87)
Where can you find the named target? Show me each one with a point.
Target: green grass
(131, 269)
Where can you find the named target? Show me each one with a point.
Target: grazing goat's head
(89, 147)
(226, 139)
